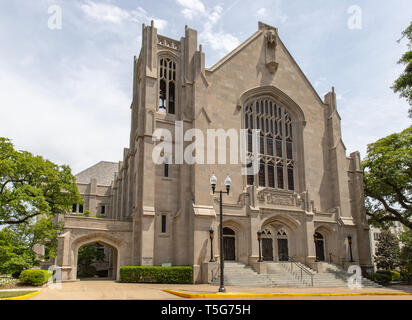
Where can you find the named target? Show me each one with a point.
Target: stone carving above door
(278, 197)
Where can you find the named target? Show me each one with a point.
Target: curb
(245, 295)
(26, 296)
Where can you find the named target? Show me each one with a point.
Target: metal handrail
(302, 269)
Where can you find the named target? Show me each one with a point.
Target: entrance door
(229, 248)
(319, 247)
(283, 252)
(267, 249)
(229, 244)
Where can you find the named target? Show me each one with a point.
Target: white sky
(65, 94)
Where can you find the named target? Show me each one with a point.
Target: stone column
(254, 228)
(310, 230)
(148, 234)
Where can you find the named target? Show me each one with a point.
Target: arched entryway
(96, 261)
(229, 244)
(319, 246)
(110, 245)
(283, 246)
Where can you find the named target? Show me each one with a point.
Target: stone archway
(229, 244)
(284, 229)
(116, 235)
(109, 264)
(325, 239)
(240, 240)
(319, 246)
(101, 238)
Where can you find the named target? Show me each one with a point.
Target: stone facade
(166, 219)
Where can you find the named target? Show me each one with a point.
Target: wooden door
(283, 251)
(267, 249)
(229, 248)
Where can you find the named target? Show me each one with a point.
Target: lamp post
(259, 237)
(228, 183)
(350, 248)
(211, 235)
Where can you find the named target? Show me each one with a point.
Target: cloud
(105, 12)
(261, 13)
(84, 121)
(366, 119)
(218, 40)
(191, 8)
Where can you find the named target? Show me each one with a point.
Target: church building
(306, 199)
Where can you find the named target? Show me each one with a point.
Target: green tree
(406, 255)
(403, 85)
(87, 255)
(31, 186)
(14, 253)
(387, 178)
(17, 241)
(387, 251)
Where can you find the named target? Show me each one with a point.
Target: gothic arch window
(167, 85)
(282, 234)
(276, 143)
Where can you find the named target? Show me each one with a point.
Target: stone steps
(280, 275)
(238, 274)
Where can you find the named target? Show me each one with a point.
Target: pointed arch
(281, 218)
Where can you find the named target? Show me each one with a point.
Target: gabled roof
(102, 171)
(253, 37)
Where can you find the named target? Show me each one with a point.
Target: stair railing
(302, 270)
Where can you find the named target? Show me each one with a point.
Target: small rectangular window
(262, 173)
(166, 170)
(269, 146)
(291, 182)
(280, 176)
(262, 144)
(102, 209)
(279, 148)
(249, 142)
(163, 223)
(271, 176)
(289, 152)
(74, 209)
(80, 208)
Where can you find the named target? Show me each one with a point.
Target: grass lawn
(10, 294)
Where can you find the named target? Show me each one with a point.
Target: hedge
(383, 277)
(156, 274)
(35, 277)
(396, 276)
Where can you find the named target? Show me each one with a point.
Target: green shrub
(87, 271)
(406, 275)
(156, 274)
(382, 277)
(35, 277)
(396, 276)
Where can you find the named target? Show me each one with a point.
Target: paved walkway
(100, 290)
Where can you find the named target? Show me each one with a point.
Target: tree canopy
(403, 85)
(31, 186)
(387, 251)
(388, 179)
